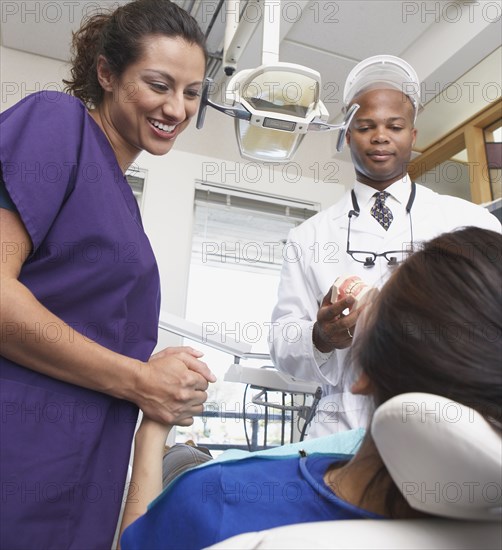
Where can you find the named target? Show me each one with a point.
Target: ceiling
(453, 45)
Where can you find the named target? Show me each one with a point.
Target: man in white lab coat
(310, 336)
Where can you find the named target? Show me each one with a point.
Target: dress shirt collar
(399, 191)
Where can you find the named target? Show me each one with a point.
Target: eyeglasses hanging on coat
(393, 257)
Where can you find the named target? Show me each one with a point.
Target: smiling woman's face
(381, 136)
(152, 102)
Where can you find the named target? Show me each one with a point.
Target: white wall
(168, 206)
(22, 74)
(211, 154)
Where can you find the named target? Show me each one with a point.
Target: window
(493, 144)
(238, 244)
(136, 178)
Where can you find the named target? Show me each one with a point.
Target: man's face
(381, 136)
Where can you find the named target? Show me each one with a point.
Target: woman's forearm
(36, 338)
(170, 387)
(146, 478)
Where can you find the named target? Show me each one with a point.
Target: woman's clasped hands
(172, 385)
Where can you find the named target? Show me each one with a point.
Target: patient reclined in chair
(444, 457)
(446, 460)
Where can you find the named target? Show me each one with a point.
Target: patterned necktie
(380, 212)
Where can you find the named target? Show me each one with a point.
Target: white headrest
(444, 457)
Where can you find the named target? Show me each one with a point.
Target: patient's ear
(362, 386)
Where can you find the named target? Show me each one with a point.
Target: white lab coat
(315, 255)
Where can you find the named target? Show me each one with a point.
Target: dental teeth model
(349, 285)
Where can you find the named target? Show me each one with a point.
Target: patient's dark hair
(119, 36)
(436, 327)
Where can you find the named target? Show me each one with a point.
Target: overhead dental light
(274, 105)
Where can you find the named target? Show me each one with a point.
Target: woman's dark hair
(119, 36)
(436, 328)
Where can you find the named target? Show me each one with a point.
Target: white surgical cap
(383, 71)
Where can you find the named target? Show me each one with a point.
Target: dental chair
(298, 399)
(444, 457)
(447, 462)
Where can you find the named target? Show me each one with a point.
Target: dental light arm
(321, 126)
(236, 112)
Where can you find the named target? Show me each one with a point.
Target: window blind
(241, 230)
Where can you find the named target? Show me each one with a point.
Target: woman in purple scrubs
(79, 281)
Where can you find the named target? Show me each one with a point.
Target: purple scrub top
(65, 449)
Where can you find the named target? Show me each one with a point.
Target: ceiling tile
(357, 30)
